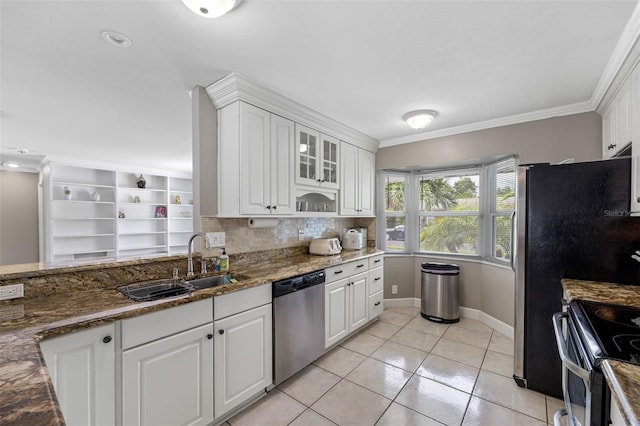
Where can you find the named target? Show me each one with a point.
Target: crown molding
(624, 57)
(235, 87)
(576, 108)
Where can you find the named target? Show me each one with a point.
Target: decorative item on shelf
(136, 199)
(141, 182)
(178, 200)
(67, 193)
(161, 212)
(121, 214)
(95, 196)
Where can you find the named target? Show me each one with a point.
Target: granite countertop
(623, 378)
(26, 392)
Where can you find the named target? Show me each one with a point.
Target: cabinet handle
(268, 207)
(360, 266)
(376, 279)
(611, 146)
(210, 336)
(275, 207)
(376, 261)
(338, 272)
(220, 331)
(106, 339)
(376, 304)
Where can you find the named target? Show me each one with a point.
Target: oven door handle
(562, 348)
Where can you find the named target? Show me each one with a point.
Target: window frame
(487, 209)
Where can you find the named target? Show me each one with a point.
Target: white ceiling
(68, 95)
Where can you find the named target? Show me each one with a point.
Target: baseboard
(402, 303)
(470, 313)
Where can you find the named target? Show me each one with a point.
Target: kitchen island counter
(623, 378)
(55, 306)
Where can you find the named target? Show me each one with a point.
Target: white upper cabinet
(635, 148)
(357, 182)
(266, 162)
(256, 151)
(264, 157)
(617, 122)
(316, 158)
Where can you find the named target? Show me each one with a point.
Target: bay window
(460, 212)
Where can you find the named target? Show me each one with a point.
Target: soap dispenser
(224, 260)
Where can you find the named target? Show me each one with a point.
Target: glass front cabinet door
(317, 158)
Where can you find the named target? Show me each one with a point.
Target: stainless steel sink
(214, 281)
(155, 290)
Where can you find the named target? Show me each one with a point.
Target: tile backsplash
(241, 239)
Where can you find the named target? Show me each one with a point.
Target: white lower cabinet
(243, 347)
(243, 357)
(82, 370)
(346, 303)
(169, 381)
(167, 366)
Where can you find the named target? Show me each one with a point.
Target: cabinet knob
(210, 336)
(268, 207)
(611, 146)
(376, 304)
(220, 331)
(106, 339)
(275, 207)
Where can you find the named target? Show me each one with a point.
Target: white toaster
(325, 246)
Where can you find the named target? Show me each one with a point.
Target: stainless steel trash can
(440, 292)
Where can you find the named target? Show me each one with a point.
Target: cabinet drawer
(376, 280)
(376, 305)
(240, 301)
(149, 327)
(376, 261)
(335, 273)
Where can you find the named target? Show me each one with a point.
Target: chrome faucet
(190, 258)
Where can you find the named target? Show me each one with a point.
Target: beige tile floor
(405, 370)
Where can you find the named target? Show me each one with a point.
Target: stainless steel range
(594, 332)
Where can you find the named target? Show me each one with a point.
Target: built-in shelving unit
(103, 214)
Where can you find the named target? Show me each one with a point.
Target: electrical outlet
(11, 291)
(216, 239)
(300, 234)
(394, 289)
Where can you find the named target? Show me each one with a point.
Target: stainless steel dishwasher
(298, 323)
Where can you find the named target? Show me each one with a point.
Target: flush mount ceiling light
(419, 119)
(117, 39)
(210, 8)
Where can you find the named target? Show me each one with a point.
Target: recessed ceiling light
(117, 39)
(10, 164)
(210, 8)
(420, 119)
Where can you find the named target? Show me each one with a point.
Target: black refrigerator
(572, 221)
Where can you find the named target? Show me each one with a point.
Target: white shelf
(83, 202)
(71, 253)
(141, 247)
(126, 234)
(80, 229)
(83, 235)
(90, 185)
